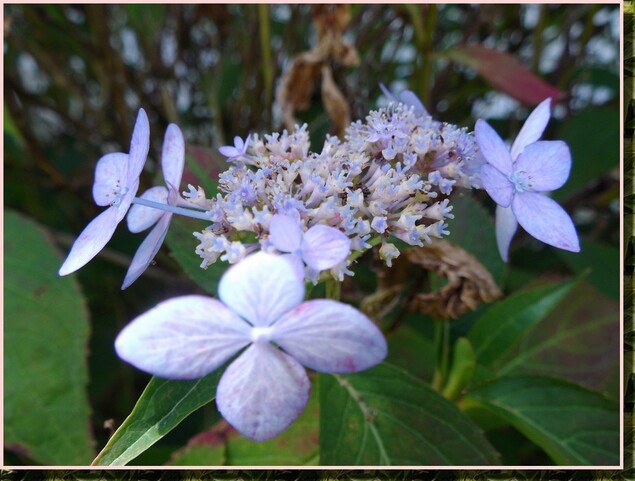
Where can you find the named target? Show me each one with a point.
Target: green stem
(442, 353)
(265, 45)
(333, 290)
(372, 243)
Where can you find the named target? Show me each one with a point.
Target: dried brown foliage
(299, 81)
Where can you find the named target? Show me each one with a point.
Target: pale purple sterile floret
(518, 179)
(141, 217)
(320, 247)
(407, 97)
(116, 183)
(260, 312)
(236, 151)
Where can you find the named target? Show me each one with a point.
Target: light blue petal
(545, 220)
(492, 147)
(506, 226)
(533, 128)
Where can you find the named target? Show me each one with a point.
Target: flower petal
(492, 147)
(141, 217)
(545, 220)
(330, 336)
(506, 225)
(110, 176)
(296, 263)
(285, 233)
(173, 156)
(408, 97)
(533, 128)
(262, 392)
(183, 338)
(261, 288)
(92, 239)
(324, 247)
(497, 185)
(147, 250)
(139, 146)
(229, 151)
(546, 163)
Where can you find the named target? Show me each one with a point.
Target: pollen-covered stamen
(522, 181)
(118, 193)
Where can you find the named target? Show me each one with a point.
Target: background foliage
(75, 76)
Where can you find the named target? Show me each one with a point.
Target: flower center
(521, 181)
(118, 194)
(261, 334)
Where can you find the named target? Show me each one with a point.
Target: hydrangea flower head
(518, 179)
(116, 183)
(141, 217)
(261, 313)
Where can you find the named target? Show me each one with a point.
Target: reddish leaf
(203, 165)
(505, 73)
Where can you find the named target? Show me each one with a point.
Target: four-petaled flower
(265, 389)
(116, 183)
(518, 179)
(237, 150)
(141, 217)
(320, 247)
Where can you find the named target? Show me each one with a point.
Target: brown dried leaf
(469, 283)
(331, 18)
(335, 103)
(298, 82)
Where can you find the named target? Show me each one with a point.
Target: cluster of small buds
(390, 177)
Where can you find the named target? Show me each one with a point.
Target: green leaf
(462, 369)
(573, 425)
(410, 350)
(587, 150)
(604, 262)
(473, 230)
(161, 407)
(579, 341)
(182, 244)
(200, 455)
(46, 411)
(507, 321)
(384, 416)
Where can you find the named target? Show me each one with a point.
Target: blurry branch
(30, 141)
(265, 44)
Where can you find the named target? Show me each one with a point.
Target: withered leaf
(336, 106)
(469, 283)
(298, 83)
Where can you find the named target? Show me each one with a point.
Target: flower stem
(333, 290)
(372, 243)
(171, 208)
(442, 353)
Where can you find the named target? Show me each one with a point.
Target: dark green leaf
(579, 341)
(473, 229)
(46, 412)
(592, 155)
(384, 416)
(162, 406)
(604, 263)
(573, 425)
(507, 321)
